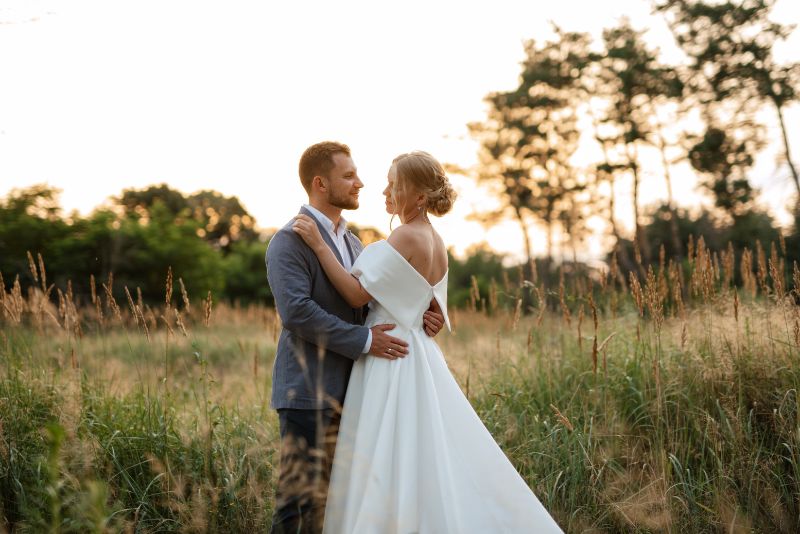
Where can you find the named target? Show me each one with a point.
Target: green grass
(690, 426)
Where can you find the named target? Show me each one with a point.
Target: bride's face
(397, 200)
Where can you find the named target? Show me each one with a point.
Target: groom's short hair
(317, 160)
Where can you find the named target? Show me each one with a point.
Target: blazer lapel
(351, 247)
(325, 235)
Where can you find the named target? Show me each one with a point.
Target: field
(663, 402)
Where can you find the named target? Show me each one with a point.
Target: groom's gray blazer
(321, 334)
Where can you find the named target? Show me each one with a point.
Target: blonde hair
(427, 175)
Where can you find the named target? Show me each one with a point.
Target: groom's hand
(386, 346)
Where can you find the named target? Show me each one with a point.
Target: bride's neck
(415, 215)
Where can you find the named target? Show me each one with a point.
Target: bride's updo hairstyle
(422, 171)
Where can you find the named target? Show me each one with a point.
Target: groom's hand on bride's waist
(386, 346)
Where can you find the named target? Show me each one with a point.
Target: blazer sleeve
(289, 275)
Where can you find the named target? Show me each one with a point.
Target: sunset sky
(97, 96)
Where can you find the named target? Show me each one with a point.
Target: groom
(320, 339)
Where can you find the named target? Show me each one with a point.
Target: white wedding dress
(412, 455)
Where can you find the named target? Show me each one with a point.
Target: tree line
(208, 240)
(620, 95)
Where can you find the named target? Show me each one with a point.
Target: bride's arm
(346, 284)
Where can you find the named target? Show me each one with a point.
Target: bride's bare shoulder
(406, 240)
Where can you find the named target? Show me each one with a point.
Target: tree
(137, 248)
(30, 220)
(732, 44)
(725, 160)
(634, 84)
(221, 220)
(142, 253)
(531, 134)
(245, 273)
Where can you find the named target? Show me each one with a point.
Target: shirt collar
(326, 222)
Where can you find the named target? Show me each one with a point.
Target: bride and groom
(376, 435)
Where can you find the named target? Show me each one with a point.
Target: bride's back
(423, 248)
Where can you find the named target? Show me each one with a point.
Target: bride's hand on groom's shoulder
(306, 228)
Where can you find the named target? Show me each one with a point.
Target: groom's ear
(321, 182)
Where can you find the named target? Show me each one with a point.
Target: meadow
(658, 401)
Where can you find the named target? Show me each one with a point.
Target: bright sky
(97, 96)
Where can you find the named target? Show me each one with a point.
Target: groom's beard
(343, 201)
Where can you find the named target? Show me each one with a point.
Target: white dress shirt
(337, 235)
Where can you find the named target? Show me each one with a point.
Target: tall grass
(663, 400)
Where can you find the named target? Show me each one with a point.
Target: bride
(412, 455)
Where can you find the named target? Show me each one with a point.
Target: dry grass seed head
(728, 265)
(42, 272)
(184, 296)
(761, 272)
(179, 322)
(795, 280)
(562, 418)
(746, 270)
(3, 295)
(517, 314)
(111, 301)
(32, 267)
(776, 270)
(636, 291)
(207, 305)
(654, 298)
(168, 292)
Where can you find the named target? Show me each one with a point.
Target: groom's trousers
(308, 440)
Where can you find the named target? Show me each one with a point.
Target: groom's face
(343, 183)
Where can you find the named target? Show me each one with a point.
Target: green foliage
(481, 263)
(245, 274)
(145, 251)
(221, 220)
(741, 232)
(26, 408)
(142, 471)
(138, 245)
(622, 451)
